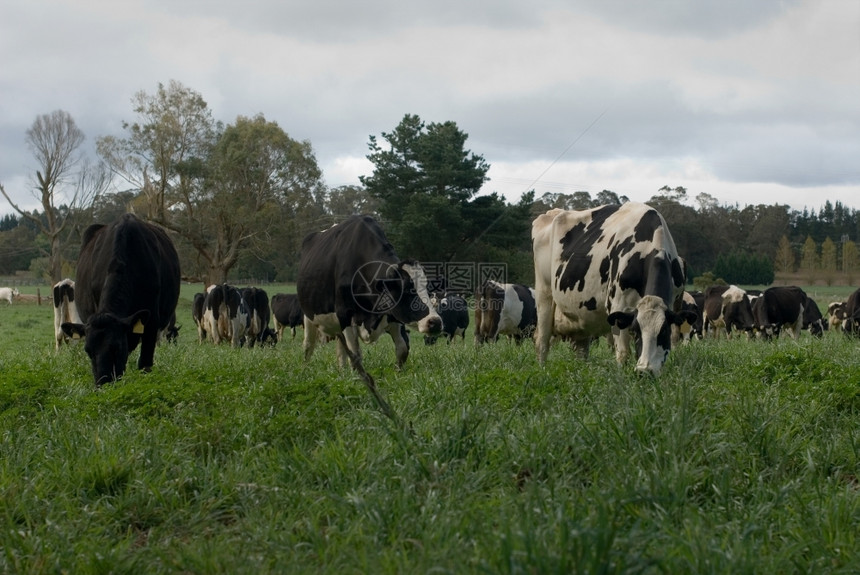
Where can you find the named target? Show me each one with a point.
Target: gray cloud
(749, 92)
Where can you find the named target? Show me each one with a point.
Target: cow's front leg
(147, 350)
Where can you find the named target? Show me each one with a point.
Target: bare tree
(63, 174)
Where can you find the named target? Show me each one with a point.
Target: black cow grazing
(257, 301)
(836, 315)
(352, 283)
(225, 314)
(65, 309)
(812, 318)
(504, 309)
(171, 332)
(127, 287)
(286, 312)
(779, 307)
(198, 306)
(851, 325)
(727, 308)
(454, 311)
(610, 270)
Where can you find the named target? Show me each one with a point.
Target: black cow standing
(780, 307)
(352, 284)
(286, 312)
(127, 287)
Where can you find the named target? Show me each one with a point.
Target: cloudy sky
(748, 101)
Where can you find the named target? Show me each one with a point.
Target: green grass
(741, 458)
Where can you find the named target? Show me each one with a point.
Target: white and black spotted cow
(225, 314)
(65, 309)
(454, 311)
(352, 284)
(727, 309)
(612, 269)
(257, 302)
(504, 309)
(836, 315)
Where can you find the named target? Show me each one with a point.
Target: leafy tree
(174, 131)
(784, 261)
(768, 224)
(850, 262)
(238, 196)
(744, 268)
(422, 180)
(17, 247)
(55, 141)
(809, 259)
(8, 222)
(828, 260)
(345, 201)
(221, 190)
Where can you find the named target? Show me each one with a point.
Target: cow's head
(107, 341)
(413, 303)
(650, 325)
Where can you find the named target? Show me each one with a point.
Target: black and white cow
(352, 284)
(126, 290)
(691, 302)
(727, 308)
(225, 314)
(454, 311)
(612, 269)
(65, 309)
(836, 315)
(812, 318)
(198, 307)
(257, 301)
(779, 307)
(286, 313)
(851, 325)
(504, 309)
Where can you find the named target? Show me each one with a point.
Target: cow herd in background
(611, 271)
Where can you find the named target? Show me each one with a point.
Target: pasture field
(743, 457)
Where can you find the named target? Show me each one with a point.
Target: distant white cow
(8, 294)
(65, 309)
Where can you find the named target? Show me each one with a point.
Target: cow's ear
(137, 320)
(73, 330)
(621, 319)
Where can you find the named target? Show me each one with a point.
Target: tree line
(238, 199)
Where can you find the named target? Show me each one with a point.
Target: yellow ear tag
(138, 327)
(76, 336)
